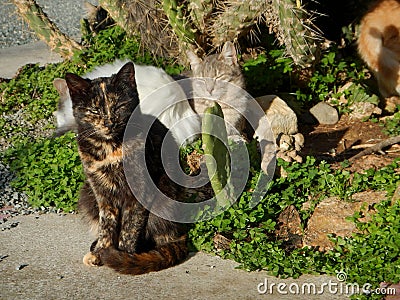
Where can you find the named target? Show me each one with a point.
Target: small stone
(324, 113)
(283, 155)
(292, 154)
(396, 195)
(285, 142)
(21, 266)
(362, 110)
(298, 141)
(298, 158)
(3, 257)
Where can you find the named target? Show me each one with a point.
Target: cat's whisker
(85, 134)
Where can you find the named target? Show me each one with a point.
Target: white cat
(170, 106)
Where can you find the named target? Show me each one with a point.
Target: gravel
(66, 14)
(13, 202)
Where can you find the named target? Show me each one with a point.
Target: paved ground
(12, 58)
(41, 257)
(52, 246)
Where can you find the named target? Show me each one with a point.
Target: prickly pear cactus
(167, 28)
(215, 142)
(147, 19)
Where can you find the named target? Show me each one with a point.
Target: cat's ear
(61, 86)
(228, 53)
(126, 75)
(77, 86)
(194, 60)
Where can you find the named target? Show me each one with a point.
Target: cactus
(117, 12)
(236, 19)
(178, 21)
(169, 27)
(215, 141)
(200, 13)
(148, 20)
(45, 29)
(294, 29)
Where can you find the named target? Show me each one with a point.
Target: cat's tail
(160, 258)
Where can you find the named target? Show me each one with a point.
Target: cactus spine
(117, 12)
(200, 13)
(295, 31)
(236, 18)
(168, 27)
(178, 21)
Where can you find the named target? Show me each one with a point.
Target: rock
(390, 103)
(362, 110)
(330, 215)
(324, 113)
(285, 142)
(280, 116)
(394, 289)
(221, 242)
(289, 228)
(298, 141)
(283, 122)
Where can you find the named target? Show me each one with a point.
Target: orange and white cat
(379, 47)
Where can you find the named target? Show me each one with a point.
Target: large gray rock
(324, 113)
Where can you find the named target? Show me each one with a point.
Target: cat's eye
(221, 77)
(120, 105)
(95, 111)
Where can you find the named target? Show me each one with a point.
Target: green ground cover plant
(49, 170)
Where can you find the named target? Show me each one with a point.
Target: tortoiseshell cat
(130, 239)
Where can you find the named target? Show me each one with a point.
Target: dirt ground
(335, 143)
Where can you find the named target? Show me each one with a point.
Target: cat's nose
(109, 124)
(210, 88)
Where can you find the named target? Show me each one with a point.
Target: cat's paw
(91, 260)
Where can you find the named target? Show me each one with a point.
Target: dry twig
(378, 147)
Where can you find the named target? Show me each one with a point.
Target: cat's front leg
(134, 219)
(107, 233)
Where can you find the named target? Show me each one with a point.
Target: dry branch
(378, 147)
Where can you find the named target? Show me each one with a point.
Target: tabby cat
(379, 46)
(130, 239)
(219, 77)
